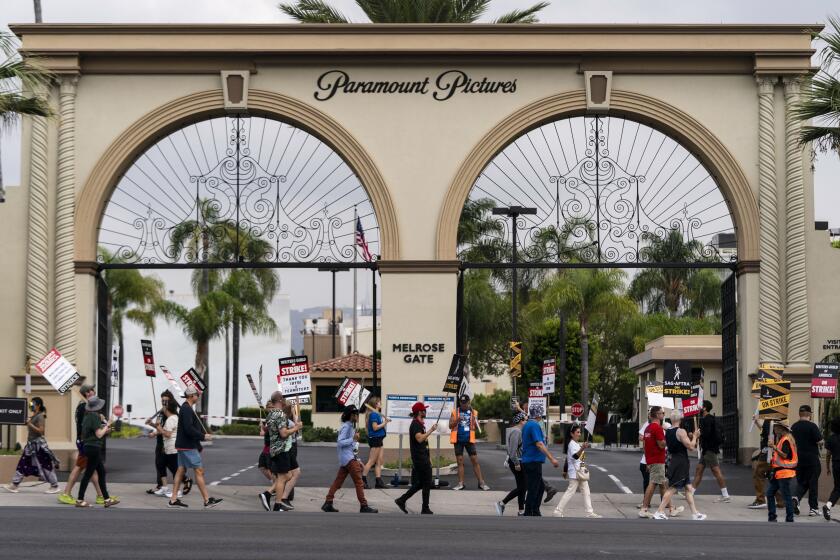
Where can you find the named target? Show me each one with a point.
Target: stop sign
(118, 410)
(577, 409)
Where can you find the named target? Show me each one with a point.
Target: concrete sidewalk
(443, 502)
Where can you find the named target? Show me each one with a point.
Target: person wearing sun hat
(421, 463)
(94, 431)
(783, 468)
(348, 463)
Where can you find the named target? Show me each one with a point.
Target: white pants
(574, 486)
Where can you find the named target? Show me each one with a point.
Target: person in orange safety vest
(782, 470)
(464, 424)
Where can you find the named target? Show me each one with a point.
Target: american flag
(360, 241)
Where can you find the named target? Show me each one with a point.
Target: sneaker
(162, 491)
(827, 513)
(52, 490)
(675, 512)
(757, 505)
(212, 502)
(723, 499)
(459, 486)
(594, 515)
(500, 508)
(645, 513)
(329, 508)
(698, 516)
(154, 490)
(379, 483)
(660, 515)
(555, 514)
(426, 511)
(66, 499)
(287, 505)
(188, 484)
(813, 513)
(177, 504)
(265, 500)
(368, 509)
(483, 486)
(401, 505)
(169, 494)
(277, 508)
(100, 501)
(796, 506)
(365, 483)
(549, 494)
(14, 489)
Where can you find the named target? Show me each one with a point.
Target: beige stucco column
(770, 332)
(37, 262)
(796, 286)
(65, 288)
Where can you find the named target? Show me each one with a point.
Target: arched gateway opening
(241, 192)
(582, 197)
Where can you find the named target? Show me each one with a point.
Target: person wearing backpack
(711, 439)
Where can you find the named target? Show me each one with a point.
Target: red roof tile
(350, 363)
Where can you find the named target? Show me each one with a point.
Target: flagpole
(355, 252)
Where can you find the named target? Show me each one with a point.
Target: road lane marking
(602, 469)
(621, 486)
(215, 483)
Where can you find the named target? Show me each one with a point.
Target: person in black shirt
(86, 391)
(808, 439)
(710, 442)
(421, 464)
(832, 465)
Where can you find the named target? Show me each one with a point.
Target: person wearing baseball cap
(188, 440)
(514, 456)
(421, 463)
(464, 424)
(783, 468)
(534, 454)
(86, 391)
(348, 463)
(808, 441)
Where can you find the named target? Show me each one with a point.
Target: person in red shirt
(654, 442)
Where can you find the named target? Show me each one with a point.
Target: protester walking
(188, 445)
(376, 431)
(348, 464)
(280, 445)
(832, 466)
(94, 431)
(711, 439)
(761, 466)
(294, 426)
(86, 391)
(169, 432)
(577, 473)
(36, 459)
(534, 454)
(156, 422)
(421, 463)
(783, 469)
(808, 440)
(654, 446)
(642, 462)
(514, 463)
(463, 424)
(679, 443)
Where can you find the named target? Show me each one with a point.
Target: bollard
(395, 481)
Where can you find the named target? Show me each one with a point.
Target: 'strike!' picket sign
(57, 371)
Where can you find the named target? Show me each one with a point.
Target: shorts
(375, 441)
(657, 474)
(283, 462)
(189, 459)
(678, 473)
(264, 461)
(710, 459)
(460, 446)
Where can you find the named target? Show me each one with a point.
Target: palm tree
(665, 290)
(408, 11)
(133, 297)
(590, 295)
(19, 75)
(820, 100)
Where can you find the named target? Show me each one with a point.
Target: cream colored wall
(13, 220)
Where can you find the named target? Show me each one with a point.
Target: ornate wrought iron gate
(103, 342)
(729, 414)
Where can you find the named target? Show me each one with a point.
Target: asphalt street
(94, 534)
(232, 461)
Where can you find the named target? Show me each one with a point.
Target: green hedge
(126, 432)
(319, 434)
(240, 429)
(306, 416)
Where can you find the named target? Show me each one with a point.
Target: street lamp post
(333, 325)
(514, 212)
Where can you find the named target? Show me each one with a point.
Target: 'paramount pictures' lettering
(445, 86)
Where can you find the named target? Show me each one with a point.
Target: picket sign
(59, 372)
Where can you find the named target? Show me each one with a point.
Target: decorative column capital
(766, 85)
(67, 84)
(792, 85)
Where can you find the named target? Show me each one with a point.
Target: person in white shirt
(169, 429)
(574, 457)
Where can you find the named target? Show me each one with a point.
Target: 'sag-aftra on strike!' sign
(57, 371)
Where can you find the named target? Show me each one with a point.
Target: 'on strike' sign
(57, 370)
(293, 378)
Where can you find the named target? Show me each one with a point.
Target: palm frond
(528, 15)
(313, 11)
(13, 105)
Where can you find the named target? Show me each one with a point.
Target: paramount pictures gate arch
(722, 92)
